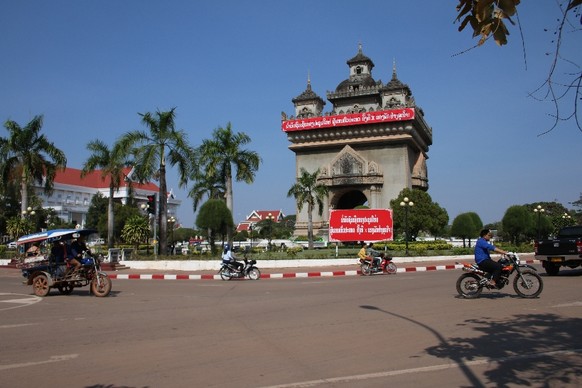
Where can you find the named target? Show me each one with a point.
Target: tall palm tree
(308, 191)
(210, 187)
(29, 157)
(111, 162)
(224, 151)
(162, 144)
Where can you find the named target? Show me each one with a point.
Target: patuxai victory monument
(372, 143)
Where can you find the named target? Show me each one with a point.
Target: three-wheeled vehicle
(43, 270)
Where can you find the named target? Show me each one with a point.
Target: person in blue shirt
(483, 257)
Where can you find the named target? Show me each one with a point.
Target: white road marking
(18, 325)
(14, 301)
(572, 304)
(64, 357)
(368, 376)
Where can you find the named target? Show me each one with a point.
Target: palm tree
(210, 187)
(136, 231)
(308, 191)
(18, 226)
(224, 151)
(28, 157)
(111, 162)
(152, 150)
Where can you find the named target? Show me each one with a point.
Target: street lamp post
(172, 221)
(26, 220)
(251, 234)
(144, 207)
(406, 204)
(270, 218)
(28, 212)
(539, 210)
(566, 217)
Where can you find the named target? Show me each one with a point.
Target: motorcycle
(527, 283)
(229, 271)
(370, 266)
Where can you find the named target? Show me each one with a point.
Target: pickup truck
(563, 250)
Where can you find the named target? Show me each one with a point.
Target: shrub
(292, 252)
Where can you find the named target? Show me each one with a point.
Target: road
(404, 330)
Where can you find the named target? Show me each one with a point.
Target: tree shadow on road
(541, 350)
(529, 349)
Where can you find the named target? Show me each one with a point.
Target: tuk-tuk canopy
(55, 234)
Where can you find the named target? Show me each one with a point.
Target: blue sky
(91, 66)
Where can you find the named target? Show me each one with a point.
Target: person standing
(483, 257)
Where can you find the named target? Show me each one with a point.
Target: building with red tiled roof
(258, 216)
(72, 194)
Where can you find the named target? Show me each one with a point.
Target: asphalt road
(404, 330)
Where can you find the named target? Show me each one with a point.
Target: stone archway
(349, 200)
(371, 144)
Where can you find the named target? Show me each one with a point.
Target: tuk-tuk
(44, 269)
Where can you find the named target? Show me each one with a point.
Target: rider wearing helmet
(374, 255)
(229, 258)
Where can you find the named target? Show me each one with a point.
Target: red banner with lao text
(348, 119)
(360, 225)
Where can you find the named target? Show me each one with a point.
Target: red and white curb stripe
(290, 275)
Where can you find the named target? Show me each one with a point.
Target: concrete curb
(284, 275)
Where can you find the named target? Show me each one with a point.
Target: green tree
(162, 144)
(28, 157)
(122, 214)
(223, 153)
(308, 191)
(552, 218)
(209, 187)
(578, 212)
(424, 215)
(9, 204)
(464, 227)
(184, 234)
(216, 219)
(270, 229)
(19, 226)
(517, 223)
(542, 222)
(136, 230)
(477, 223)
(97, 217)
(111, 162)
(438, 221)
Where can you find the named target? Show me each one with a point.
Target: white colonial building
(72, 194)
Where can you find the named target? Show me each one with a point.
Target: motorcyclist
(229, 258)
(79, 247)
(374, 255)
(71, 260)
(483, 258)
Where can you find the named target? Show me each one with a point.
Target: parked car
(11, 245)
(564, 250)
